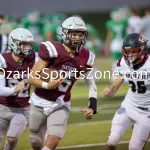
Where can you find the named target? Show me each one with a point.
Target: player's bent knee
(114, 139)
(12, 140)
(36, 142)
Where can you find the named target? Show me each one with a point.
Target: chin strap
(77, 47)
(131, 64)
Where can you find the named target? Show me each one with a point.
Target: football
(49, 73)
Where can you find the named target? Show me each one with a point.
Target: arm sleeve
(89, 79)
(36, 57)
(5, 91)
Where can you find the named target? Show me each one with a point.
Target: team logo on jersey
(68, 68)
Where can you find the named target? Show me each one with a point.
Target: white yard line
(88, 145)
(89, 123)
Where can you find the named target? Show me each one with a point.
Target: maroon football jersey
(15, 72)
(58, 58)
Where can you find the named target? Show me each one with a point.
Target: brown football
(49, 73)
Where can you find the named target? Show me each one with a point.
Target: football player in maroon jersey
(50, 107)
(14, 88)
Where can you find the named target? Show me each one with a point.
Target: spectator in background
(116, 32)
(52, 27)
(146, 27)
(3, 37)
(93, 42)
(5, 27)
(34, 24)
(134, 22)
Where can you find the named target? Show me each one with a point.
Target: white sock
(45, 148)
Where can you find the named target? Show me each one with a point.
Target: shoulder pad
(51, 49)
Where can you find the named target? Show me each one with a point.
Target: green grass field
(92, 134)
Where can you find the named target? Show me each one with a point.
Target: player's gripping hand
(88, 112)
(53, 84)
(19, 87)
(107, 92)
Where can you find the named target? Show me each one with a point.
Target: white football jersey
(138, 94)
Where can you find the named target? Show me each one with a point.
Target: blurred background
(108, 23)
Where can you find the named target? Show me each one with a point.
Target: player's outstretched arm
(110, 91)
(35, 78)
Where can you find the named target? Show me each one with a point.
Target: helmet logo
(29, 38)
(81, 28)
(141, 39)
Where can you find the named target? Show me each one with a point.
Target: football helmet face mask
(74, 33)
(134, 49)
(21, 42)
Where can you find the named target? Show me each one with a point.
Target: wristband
(93, 104)
(44, 85)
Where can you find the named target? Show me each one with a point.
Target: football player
(50, 107)
(134, 69)
(14, 88)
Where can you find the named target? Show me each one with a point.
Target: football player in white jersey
(133, 68)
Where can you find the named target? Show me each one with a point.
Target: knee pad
(36, 142)
(114, 139)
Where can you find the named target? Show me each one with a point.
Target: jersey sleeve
(2, 62)
(91, 59)
(47, 51)
(36, 57)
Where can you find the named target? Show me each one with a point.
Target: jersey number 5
(139, 87)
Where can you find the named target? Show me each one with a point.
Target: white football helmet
(20, 36)
(73, 24)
